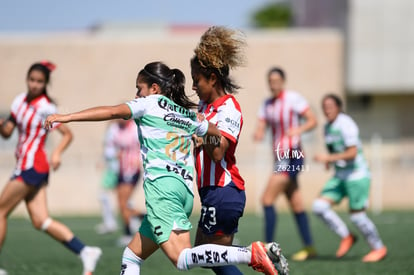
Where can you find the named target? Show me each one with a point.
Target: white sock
(209, 255)
(323, 209)
(368, 229)
(108, 216)
(131, 263)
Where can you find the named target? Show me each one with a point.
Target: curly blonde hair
(219, 50)
(221, 47)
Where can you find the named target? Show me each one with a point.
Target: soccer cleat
(306, 253)
(90, 256)
(279, 261)
(375, 255)
(267, 258)
(345, 245)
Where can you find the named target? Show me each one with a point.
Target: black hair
(277, 70)
(222, 74)
(335, 98)
(171, 82)
(45, 68)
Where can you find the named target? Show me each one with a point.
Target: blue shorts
(32, 177)
(290, 167)
(133, 180)
(221, 209)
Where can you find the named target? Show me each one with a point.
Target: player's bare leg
(37, 207)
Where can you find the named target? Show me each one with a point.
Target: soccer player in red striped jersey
(30, 177)
(282, 113)
(221, 188)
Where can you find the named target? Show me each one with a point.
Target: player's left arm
(302, 108)
(64, 143)
(350, 153)
(91, 114)
(217, 150)
(229, 122)
(350, 134)
(309, 124)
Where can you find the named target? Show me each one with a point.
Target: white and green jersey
(339, 135)
(164, 132)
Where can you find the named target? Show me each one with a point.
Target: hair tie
(155, 76)
(49, 65)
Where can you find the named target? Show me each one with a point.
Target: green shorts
(169, 204)
(109, 179)
(357, 191)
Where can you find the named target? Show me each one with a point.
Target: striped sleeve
(229, 121)
(17, 102)
(300, 104)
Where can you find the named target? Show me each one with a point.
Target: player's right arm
(6, 127)
(91, 114)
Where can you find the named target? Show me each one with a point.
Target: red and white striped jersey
(282, 113)
(226, 114)
(29, 118)
(122, 143)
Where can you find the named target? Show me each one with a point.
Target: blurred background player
(122, 153)
(109, 181)
(351, 179)
(282, 112)
(30, 177)
(221, 188)
(166, 125)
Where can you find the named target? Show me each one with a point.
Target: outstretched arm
(92, 114)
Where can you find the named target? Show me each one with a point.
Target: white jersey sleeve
(110, 149)
(202, 128)
(300, 105)
(350, 131)
(16, 104)
(47, 108)
(138, 107)
(229, 121)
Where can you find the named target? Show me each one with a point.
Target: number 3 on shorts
(210, 212)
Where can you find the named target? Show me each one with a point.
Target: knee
(41, 224)
(320, 206)
(358, 217)
(266, 200)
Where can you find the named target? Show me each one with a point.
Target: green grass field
(30, 252)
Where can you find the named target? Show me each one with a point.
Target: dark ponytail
(45, 67)
(171, 82)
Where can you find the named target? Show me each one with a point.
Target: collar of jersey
(218, 102)
(279, 96)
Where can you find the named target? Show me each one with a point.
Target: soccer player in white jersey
(124, 169)
(282, 113)
(30, 177)
(165, 127)
(351, 179)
